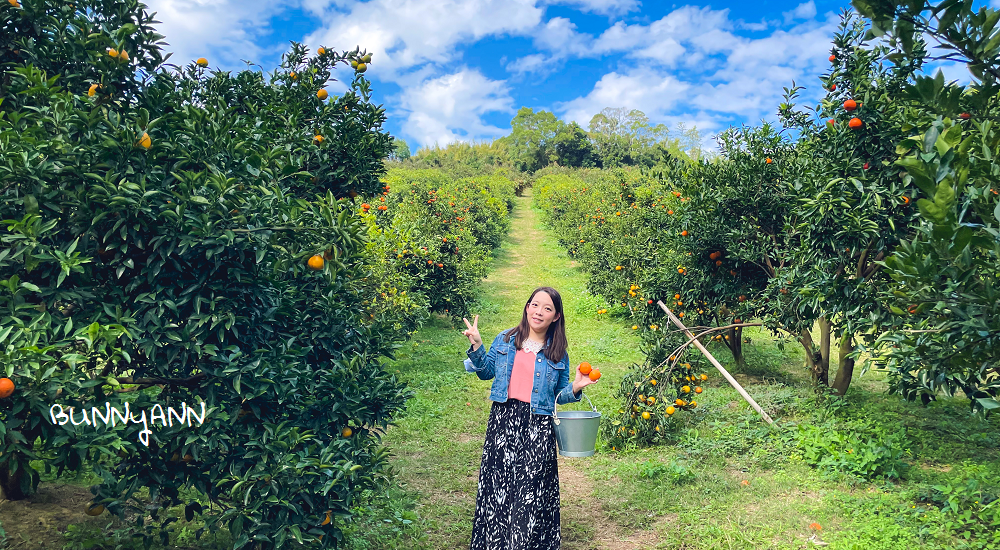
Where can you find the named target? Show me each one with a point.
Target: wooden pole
(732, 381)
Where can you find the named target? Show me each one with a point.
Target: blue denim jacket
(552, 382)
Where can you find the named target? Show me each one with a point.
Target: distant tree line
(616, 137)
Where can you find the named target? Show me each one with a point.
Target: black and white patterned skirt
(517, 507)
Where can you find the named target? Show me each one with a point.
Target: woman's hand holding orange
(585, 376)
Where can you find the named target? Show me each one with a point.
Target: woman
(517, 507)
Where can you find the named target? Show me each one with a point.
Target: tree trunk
(818, 361)
(10, 483)
(735, 345)
(846, 370)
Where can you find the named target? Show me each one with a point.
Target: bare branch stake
(732, 381)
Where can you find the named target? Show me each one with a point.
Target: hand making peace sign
(473, 332)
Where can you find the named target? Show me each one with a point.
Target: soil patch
(38, 522)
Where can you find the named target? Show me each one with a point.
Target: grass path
(438, 444)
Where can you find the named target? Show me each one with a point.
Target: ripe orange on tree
(6, 388)
(322, 95)
(671, 410)
(321, 50)
(850, 105)
(684, 233)
(318, 139)
(697, 389)
(316, 262)
(346, 432)
(145, 142)
(965, 116)
(855, 123)
(833, 58)
(768, 160)
(202, 62)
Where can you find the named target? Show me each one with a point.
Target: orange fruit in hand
(6, 388)
(585, 368)
(316, 262)
(595, 375)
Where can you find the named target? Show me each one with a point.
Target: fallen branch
(732, 381)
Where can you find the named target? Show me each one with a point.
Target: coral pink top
(522, 377)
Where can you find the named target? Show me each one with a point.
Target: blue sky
(449, 70)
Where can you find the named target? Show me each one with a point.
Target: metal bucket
(576, 431)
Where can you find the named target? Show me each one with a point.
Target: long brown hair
(556, 333)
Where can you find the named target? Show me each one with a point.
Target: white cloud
(224, 31)
(806, 10)
(690, 66)
(403, 34)
(450, 108)
(643, 89)
(606, 7)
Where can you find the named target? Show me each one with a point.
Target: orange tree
(612, 223)
(852, 208)
(439, 232)
(157, 230)
(946, 333)
(729, 228)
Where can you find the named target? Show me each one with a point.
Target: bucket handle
(555, 406)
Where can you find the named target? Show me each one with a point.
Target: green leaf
(962, 238)
(988, 404)
(945, 195)
(930, 210)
